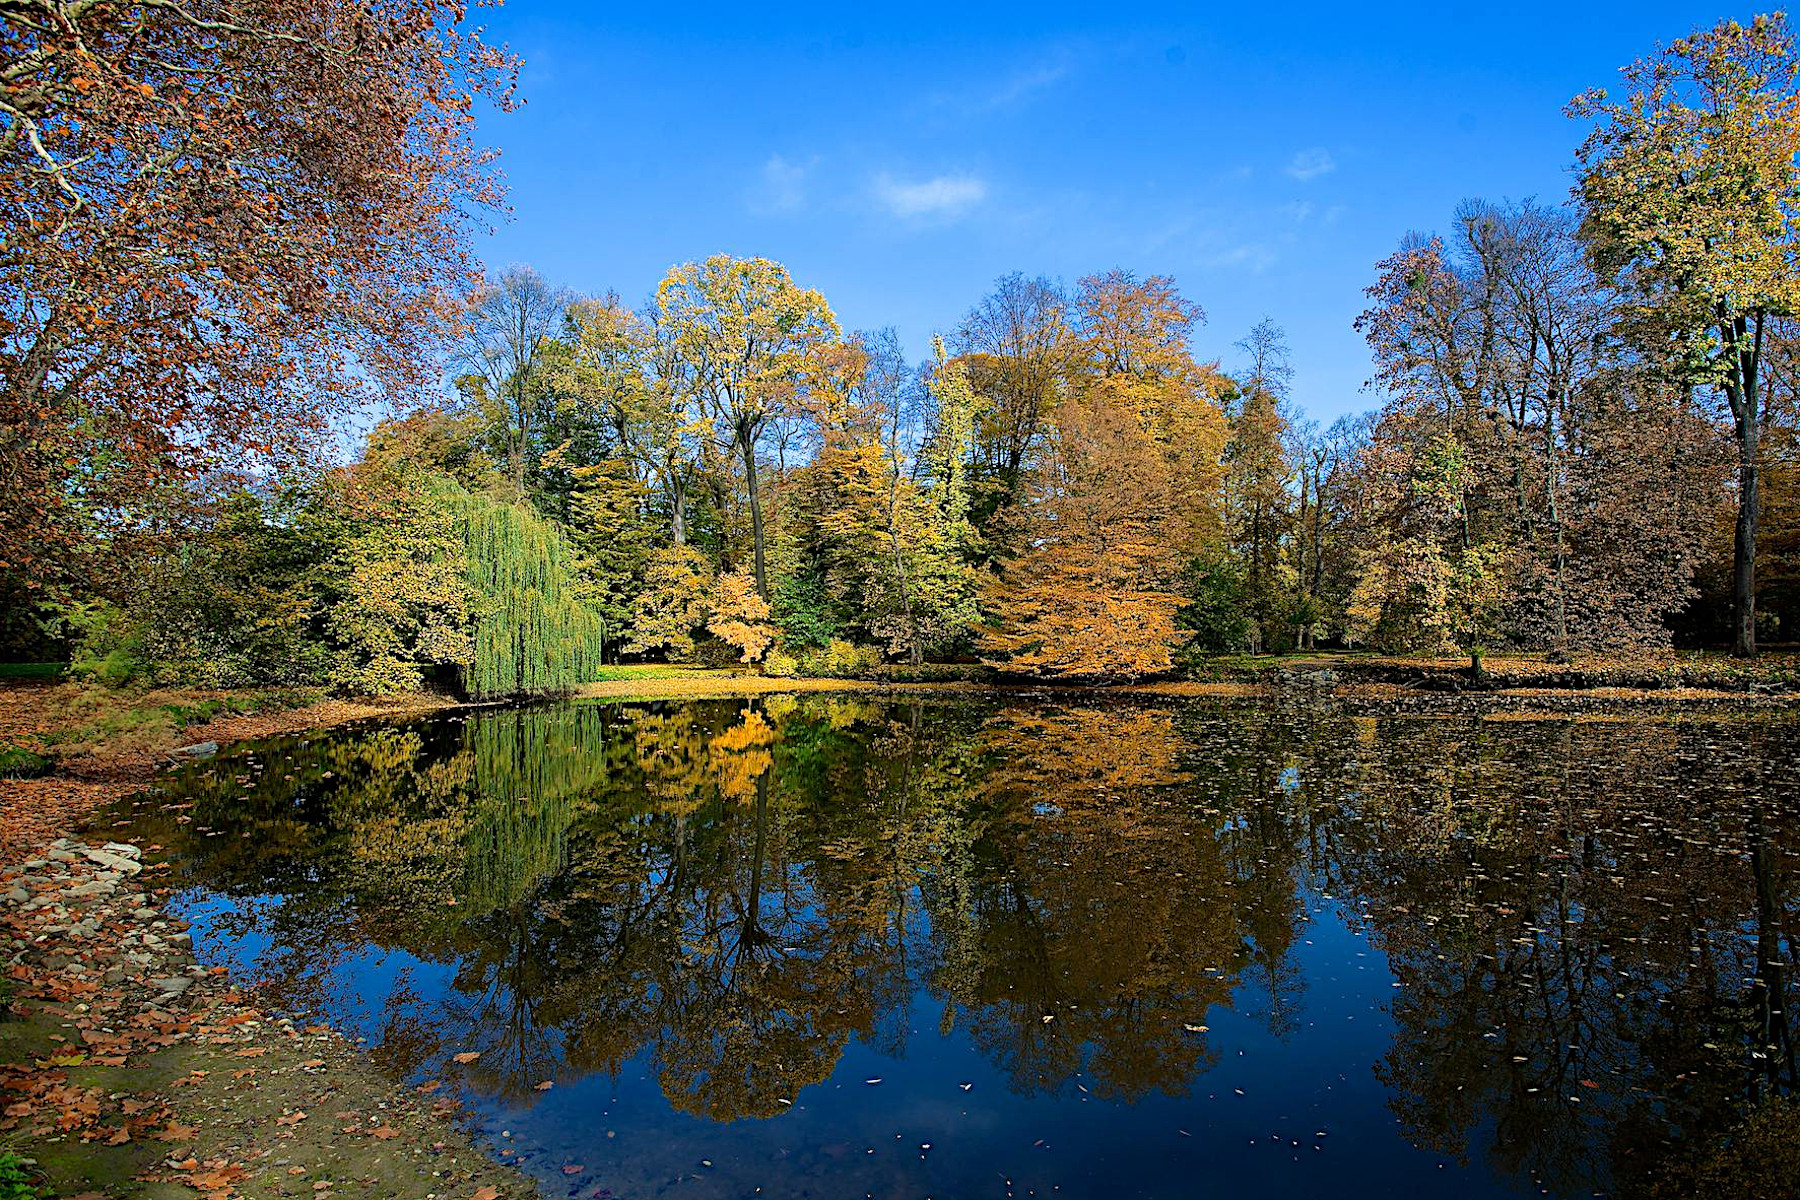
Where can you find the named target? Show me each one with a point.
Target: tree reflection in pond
(1576, 936)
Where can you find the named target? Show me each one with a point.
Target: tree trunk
(1743, 339)
(1743, 566)
(748, 445)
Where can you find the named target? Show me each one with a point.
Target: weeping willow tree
(533, 636)
(530, 767)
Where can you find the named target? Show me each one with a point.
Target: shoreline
(128, 1068)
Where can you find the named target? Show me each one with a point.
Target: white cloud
(1298, 211)
(992, 95)
(1023, 83)
(1310, 164)
(1251, 256)
(942, 196)
(781, 186)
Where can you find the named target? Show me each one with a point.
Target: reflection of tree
(1584, 965)
(1591, 922)
(1093, 926)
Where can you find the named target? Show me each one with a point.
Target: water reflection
(1586, 924)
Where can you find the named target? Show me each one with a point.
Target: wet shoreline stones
(84, 911)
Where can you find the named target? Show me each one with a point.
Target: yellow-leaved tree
(744, 337)
(1692, 191)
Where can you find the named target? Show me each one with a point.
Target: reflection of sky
(1249, 1127)
(1042, 842)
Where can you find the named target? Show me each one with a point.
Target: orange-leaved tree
(226, 221)
(1124, 491)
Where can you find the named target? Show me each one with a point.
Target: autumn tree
(740, 617)
(1117, 501)
(1015, 346)
(621, 367)
(867, 546)
(505, 331)
(205, 261)
(1692, 188)
(743, 335)
(672, 603)
(1499, 348)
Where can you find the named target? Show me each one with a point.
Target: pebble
(81, 896)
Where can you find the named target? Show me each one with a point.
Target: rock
(183, 940)
(97, 887)
(144, 914)
(123, 849)
(60, 855)
(197, 750)
(174, 985)
(115, 862)
(18, 896)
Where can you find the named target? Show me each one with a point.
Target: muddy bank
(128, 1069)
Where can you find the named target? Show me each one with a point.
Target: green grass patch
(16, 762)
(623, 672)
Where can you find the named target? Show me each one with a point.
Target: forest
(272, 425)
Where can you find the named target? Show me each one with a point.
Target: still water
(838, 946)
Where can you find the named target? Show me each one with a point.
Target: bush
(933, 673)
(781, 664)
(841, 660)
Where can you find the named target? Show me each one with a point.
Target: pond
(843, 946)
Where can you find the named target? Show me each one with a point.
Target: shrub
(781, 664)
(841, 660)
(947, 672)
(18, 763)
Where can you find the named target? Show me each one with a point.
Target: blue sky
(1265, 155)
